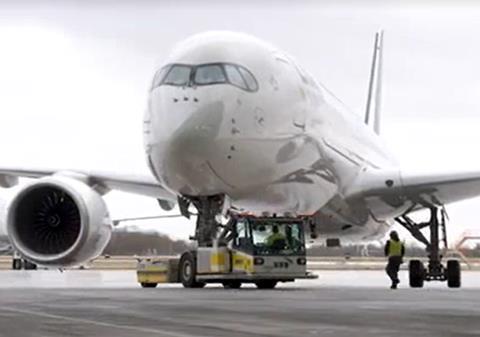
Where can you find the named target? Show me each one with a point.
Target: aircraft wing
(138, 184)
(423, 190)
(441, 189)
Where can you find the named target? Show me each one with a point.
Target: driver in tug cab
(276, 240)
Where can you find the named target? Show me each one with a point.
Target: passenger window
(235, 77)
(178, 75)
(251, 82)
(209, 74)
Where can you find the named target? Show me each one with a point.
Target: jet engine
(58, 221)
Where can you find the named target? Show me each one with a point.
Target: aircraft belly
(287, 175)
(288, 198)
(349, 221)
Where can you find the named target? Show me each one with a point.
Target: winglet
(375, 85)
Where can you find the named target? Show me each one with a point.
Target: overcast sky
(74, 78)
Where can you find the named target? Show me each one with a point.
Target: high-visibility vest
(274, 237)
(394, 248)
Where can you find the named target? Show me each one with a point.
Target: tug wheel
(187, 271)
(266, 284)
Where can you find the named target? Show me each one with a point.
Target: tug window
(242, 235)
(209, 74)
(178, 75)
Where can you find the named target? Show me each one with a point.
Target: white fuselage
(287, 148)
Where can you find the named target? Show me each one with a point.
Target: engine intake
(58, 221)
(48, 220)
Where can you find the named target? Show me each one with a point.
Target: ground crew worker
(395, 250)
(276, 236)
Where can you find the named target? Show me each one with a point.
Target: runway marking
(104, 324)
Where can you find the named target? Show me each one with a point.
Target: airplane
(237, 128)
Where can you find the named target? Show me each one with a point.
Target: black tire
(148, 285)
(187, 271)
(454, 274)
(266, 284)
(27, 265)
(416, 273)
(17, 264)
(232, 284)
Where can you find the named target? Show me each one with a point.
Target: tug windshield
(271, 237)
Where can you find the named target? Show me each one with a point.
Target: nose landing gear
(436, 270)
(207, 226)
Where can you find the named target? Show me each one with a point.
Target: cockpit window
(235, 77)
(159, 76)
(209, 74)
(251, 82)
(206, 74)
(178, 75)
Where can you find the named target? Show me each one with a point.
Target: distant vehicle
(236, 127)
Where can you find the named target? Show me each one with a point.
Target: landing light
(302, 261)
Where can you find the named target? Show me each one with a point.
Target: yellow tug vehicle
(263, 251)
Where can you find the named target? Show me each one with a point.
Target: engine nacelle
(58, 221)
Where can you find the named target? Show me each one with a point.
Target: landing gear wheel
(453, 274)
(17, 264)
(148, 285)
(266, 284)
(232, 284)
(187, 271)
(416, 272)
(27, 265)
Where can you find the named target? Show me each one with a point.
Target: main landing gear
(436, 270)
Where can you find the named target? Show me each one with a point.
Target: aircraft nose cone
(187, 162)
